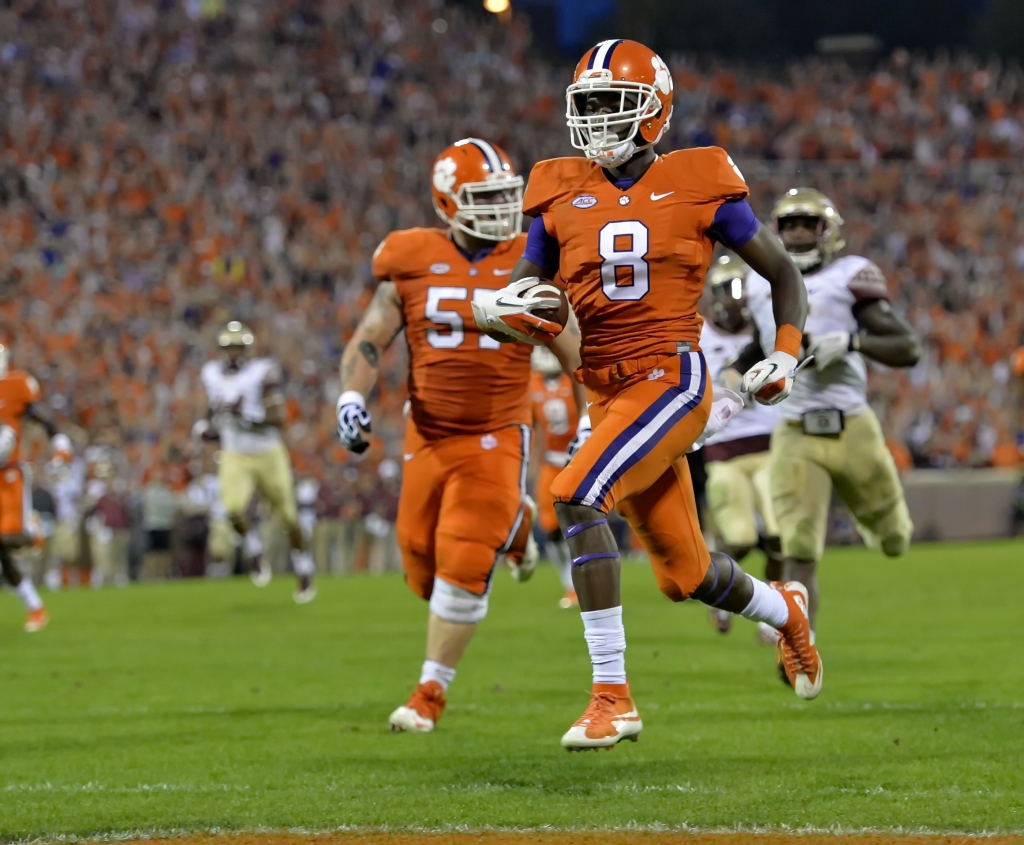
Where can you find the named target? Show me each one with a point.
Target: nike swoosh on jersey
(655, 197)
(498, 272)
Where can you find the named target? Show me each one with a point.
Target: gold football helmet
(808, 202)
(727, 288)
(235, 334)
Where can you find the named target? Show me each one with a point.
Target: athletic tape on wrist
(579, 561)
(573, 530)
(788, 339)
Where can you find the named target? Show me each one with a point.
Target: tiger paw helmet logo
(662, 78)
(444, 175)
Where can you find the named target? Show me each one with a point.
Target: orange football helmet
(476, 189)
(643, 85)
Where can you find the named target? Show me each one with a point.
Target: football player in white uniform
(828, 436)
(246, 412)
(738, 488)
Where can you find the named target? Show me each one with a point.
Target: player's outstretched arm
(884, 336)
(37, 415)
(273, 399)
(765, 254)
(525, 268)
(379, 326)
(771, 380)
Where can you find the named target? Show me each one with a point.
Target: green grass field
(217, 705)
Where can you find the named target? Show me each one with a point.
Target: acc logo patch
(489, 441)
(12, 474)
(584, 201)
(440, 268)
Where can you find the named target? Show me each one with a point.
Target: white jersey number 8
(623, 246)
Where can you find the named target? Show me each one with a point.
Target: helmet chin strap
(616, 155)
(805, 261)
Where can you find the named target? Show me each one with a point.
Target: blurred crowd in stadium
(167, 166)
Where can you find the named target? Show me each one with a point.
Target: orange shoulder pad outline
(552, 180)
(406, 252)
(705, 174)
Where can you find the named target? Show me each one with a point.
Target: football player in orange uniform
(18, 393)
(555, 418)
(631, 235)
(463, 504)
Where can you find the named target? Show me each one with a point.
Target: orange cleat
(796, 653)
(37, 620)
(570, 599)
(422, 711)
(610, 718)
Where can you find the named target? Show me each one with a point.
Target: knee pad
(454, 604)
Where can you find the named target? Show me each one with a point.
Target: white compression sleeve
(606, 639)
(767, 605)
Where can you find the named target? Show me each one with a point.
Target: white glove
(60, 442)
(730, 379)
(829, 347)
(204, 430)
(8, 442)
(353, 420)
(770, 381)
(583, 432)
(725, 406)
(509, 311)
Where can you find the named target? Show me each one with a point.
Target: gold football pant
(737, 491)
(270, 473)
(857, 463)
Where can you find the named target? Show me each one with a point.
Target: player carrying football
(828, 435)
(463, 504)
(246, 412)
(738, 488)
(18, 394)
(555, 417)
(631, 235)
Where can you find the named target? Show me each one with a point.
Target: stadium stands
(167, 167)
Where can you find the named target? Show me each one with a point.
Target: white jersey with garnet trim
(831, 294)
(721, 348)
(236, 398)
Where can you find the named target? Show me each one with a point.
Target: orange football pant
(635, 461)
(15, 506)
(545, 501)
(460, 506)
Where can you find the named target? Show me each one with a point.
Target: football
(557, 314)
(542, 300)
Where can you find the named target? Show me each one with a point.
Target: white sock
(434, 671)
(563, 563)
(252, 545)
(767, 605)
(28, 595)
(606, 639)
(302, 562)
